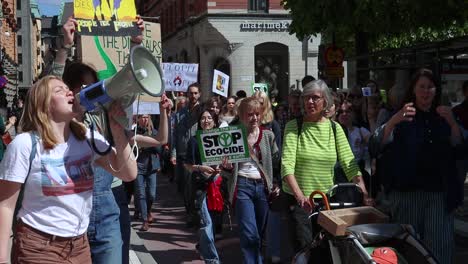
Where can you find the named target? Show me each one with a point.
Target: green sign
(215, 144)
(260, 87)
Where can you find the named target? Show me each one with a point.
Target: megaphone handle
(111, 138)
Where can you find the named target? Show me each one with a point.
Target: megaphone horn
(142, 74)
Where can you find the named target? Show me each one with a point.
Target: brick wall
(7, 35)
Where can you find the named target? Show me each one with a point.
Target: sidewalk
(169, 240)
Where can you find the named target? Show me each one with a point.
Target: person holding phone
(420, 173)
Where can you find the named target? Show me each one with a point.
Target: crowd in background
(314, 139)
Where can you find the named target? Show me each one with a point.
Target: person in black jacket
(419, 165)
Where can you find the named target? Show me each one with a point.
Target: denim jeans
(206, 237)
(252, 213)
(145, 193)
(124, 219)
(273, 234)
(104, 227)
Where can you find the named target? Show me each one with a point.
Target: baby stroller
(357, 245)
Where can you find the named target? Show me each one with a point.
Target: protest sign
(178, 76)
(146, 105)
(260, 87)
(220, 83)
(218, 143)
(106, 17)
(108, 54)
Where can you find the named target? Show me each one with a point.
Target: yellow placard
(105, 17)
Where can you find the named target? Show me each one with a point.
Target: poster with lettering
(220, 83)
(106, 17)
(178, 76)
(259, 87)
(230, 142)
(108, 54)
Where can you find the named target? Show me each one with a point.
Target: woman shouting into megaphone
(109, 230)
(52, 163)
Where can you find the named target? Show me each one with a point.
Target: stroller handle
(324, 198)
(344, 185)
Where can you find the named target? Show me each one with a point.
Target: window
(258, 5)
(18, 4)
(20, 76)
(19, 39)
(18, 21)
(20, 58)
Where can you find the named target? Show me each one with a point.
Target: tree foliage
(388, 23)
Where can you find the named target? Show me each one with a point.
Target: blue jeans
(145, 193)
(121, 198)
(252, 213)
(104, 234)
(206, 237)
(273, 234)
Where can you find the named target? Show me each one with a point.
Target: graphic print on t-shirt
(69, 175)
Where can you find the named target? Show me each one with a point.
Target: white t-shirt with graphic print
(58, 192)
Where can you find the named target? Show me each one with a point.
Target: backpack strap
(333, 125)
(300, 122)
(32, 155)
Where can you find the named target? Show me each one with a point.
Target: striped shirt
(312, 156)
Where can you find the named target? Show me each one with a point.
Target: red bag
(384, 255)
(6, 138)
(214, 198)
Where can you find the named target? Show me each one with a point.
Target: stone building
(246, 39)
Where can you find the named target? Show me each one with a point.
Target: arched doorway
(272, 67)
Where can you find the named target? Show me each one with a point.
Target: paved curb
(138, 247)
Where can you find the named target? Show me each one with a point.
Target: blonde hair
(248, 104)
(36, 114)
(267, 114)
(150, 126)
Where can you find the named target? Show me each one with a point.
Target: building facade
(9, 52)
(246, 39)
(29, 44)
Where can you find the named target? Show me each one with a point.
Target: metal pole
(306, 59)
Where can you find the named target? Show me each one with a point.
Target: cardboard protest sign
(108, 54)
(259, 87)
(220, 83)
(218, 143)
(178, 76)
(106, 17)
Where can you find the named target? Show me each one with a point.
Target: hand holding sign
(226, 164)
(68, 31)
(218, 145)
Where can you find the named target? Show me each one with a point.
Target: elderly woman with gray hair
(311, 149)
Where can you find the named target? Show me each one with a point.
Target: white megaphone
(142, 74)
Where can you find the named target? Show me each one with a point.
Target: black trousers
(299, 224)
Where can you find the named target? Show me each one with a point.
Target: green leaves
(388, 23)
